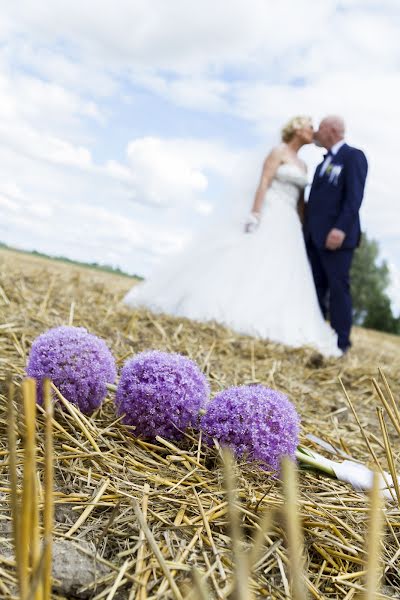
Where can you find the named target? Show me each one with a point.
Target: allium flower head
(254, 421)
(161, 394)
(77, 362)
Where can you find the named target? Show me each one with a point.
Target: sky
(128, 128)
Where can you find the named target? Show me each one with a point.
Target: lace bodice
(287, 184)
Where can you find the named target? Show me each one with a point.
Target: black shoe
(345, 349)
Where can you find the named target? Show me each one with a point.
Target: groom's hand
(335, 239)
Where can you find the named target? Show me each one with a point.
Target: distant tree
(380, 316)
(370, 278)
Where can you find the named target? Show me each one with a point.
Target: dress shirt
(328, 157)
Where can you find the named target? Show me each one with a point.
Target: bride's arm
(270, 167)
(301, 207)
(271, 164)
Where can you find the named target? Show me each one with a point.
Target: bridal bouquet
(162, 394)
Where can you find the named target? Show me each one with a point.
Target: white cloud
(42, 104)
(178, 36)
(65, 68)
(163, 173)
(42, 120)
(83, 73)
(120, 172)
(204, 93)
(173, 172)
(31, 142)
(8, 204)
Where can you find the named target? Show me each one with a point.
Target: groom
(332, 224)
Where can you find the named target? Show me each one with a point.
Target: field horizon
(69, 261)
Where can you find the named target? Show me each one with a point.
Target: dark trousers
(331, 272)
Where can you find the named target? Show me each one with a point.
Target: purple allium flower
(77, 362)
(161, 394)
(254, 421)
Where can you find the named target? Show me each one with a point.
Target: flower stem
(321, 464)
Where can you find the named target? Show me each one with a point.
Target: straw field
(141, 520)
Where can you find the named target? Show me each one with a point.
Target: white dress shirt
(334, 150)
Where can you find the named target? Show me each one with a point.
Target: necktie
(325, 164)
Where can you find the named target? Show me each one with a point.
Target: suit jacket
(335, 198)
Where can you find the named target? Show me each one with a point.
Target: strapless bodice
(286, 186)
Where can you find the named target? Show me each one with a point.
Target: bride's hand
(252, 223)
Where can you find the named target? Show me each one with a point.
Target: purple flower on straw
(254, 421)
(161, 394)
(77, 362)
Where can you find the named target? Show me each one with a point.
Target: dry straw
(32, 543)
(154, 517)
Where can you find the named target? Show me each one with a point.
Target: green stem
(314, 462)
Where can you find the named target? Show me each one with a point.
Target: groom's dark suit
(334, 202)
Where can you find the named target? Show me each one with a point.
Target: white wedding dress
(256, 283)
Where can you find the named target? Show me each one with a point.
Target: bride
(257, 281)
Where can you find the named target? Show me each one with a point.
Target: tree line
(370, 279)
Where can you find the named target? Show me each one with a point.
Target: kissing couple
(287, 271)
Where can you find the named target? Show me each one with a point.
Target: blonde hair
(289, 130)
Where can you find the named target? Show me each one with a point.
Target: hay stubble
(116, 497)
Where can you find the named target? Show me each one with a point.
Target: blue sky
(128, 127)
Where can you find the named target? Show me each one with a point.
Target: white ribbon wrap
(358, 476)
(361, 478)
